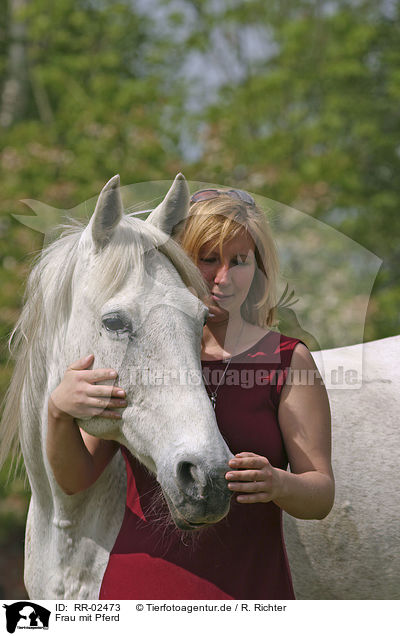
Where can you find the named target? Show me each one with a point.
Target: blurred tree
(14, 93)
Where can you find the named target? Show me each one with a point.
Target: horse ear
(107, 214)
(174, 207)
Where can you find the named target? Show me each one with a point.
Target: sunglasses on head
(213, 193)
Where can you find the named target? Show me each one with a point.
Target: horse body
(353, 552)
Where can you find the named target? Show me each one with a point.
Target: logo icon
(26, 615)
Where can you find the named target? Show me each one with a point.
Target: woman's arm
(307, 492)
(77, 458)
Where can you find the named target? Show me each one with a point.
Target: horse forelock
(126, 253)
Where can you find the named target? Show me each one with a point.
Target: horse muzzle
(197, 496)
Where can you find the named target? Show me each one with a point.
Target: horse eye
(116, 323)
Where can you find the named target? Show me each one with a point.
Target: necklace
(213, 394)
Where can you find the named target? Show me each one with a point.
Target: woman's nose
(221, 274)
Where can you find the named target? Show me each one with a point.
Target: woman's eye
(208, 260)
(241, 260)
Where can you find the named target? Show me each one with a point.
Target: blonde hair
(221, 219)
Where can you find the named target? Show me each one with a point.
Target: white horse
(354, 552)
(119, 289)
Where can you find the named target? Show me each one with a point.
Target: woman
(267, 418)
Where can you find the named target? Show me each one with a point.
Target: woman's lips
(220, 297)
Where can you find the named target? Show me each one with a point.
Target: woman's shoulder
(294, 352)
(278, 347)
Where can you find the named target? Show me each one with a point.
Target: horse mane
(47, 304)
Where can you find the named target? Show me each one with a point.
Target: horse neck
(33, 417)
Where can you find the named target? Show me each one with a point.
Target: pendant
(213, 399)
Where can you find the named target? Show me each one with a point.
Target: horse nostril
(191, 478)
(187, 474)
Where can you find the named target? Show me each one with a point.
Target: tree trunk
(14, 93)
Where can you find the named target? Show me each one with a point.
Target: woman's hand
(77, 395)
(254, 478)
(307, 491)
(77, 458)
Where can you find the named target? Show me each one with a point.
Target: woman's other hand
(79, 396)
(253, 478)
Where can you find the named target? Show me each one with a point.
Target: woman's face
(228, 277)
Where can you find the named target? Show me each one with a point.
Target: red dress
(241, 557)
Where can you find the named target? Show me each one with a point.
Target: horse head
(131, 307)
